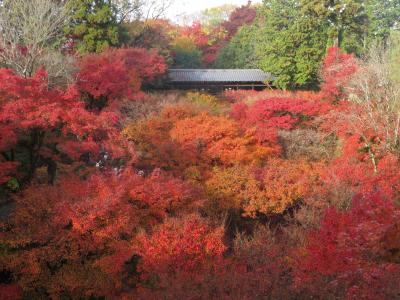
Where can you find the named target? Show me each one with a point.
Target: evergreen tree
(94, 25)
(185, 54)
(346, 21)
(310, 36)
(384, 16)
(277, 47)
(292, 44)
(240, 51)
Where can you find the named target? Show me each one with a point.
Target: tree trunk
(51, 171)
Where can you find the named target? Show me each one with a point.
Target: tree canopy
(113, 188)
(93, 26)
(289, 38)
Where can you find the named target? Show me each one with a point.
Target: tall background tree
(291, 44)
(93, 26)
(289, 38)
(239, 52)
(142, 24)
(383, 17)
(243, 15)
(213, 17)
(185, 54)
(346, 21)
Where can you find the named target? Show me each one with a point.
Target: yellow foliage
(184, 42)
(203, 100)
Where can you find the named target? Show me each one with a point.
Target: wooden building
(219, 79)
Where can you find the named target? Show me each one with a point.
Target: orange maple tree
(270, 190)
(218, 140)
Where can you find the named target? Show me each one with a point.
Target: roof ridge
(219, 75)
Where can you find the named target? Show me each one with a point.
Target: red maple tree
(355, 253)
(44, 124)
(116, 74)
(240, 16)
(268, 116)
(336, 70)
(177, 256)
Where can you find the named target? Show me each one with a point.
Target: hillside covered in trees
(113, 188)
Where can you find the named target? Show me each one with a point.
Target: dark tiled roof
(219, 75)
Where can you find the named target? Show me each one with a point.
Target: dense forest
(112, 187)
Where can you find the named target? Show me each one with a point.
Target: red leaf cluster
(219, 138)
(77, 226)
(116, 74)
(243, 15)
(196, 34)
(336, 70)
(353, 255)
(179, 253)
(48, 123)
(273, 114)
(9, 292)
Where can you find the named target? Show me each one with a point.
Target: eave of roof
(219, 75)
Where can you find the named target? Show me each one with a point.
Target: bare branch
(378, 97)
(132, 10)
(29, 30)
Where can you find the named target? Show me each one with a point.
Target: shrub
(206, 102)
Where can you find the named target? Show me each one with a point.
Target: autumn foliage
(49, 126)
(117, 73)
(244, 15)
(267, 117)
(354, 254)
(217, 138)
(337, 69)
(269, 190)
(178, 255)
(98, 217)
(110, 193)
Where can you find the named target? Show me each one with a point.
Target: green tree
(310, 45)
(292, 44)
(94, 25)
(384, 16)
(346, 20)
(276, 49)
(185, 53)
(240, 52)
(187, 59)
